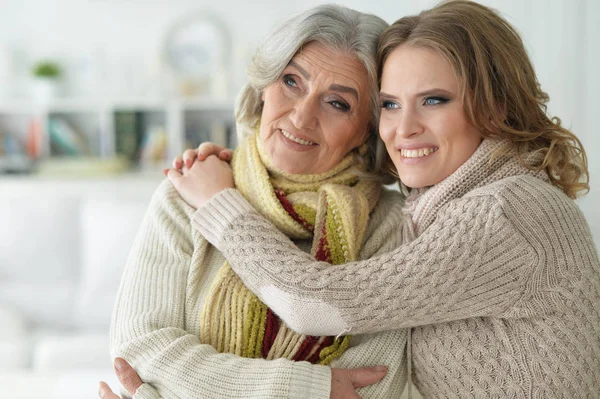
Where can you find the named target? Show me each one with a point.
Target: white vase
(45, 89)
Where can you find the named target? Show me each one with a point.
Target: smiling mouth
(417, 153)
(295, 139)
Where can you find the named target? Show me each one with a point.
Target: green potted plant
(46, 79)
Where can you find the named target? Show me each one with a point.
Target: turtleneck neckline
(480, 169)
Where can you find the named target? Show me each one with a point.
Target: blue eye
(288, 80)
(389, 105)
(435, 100)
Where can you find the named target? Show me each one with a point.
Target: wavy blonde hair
(499, 87)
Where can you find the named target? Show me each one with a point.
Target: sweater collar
(481, 169)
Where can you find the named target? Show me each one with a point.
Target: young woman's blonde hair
(499, 88)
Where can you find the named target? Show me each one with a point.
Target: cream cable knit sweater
(501, 283)
(156, 320)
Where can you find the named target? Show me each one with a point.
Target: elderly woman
(498, 276)
(309, 161)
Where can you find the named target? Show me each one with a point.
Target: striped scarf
(331, 208)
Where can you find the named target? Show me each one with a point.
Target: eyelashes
(386, 104)
(435, 100)
(427, 101)
(288, 80)
(340, 105)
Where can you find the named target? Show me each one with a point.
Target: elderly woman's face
(316, 112)
(423, 122)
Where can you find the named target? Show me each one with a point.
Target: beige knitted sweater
(498, 278)
(156, 320)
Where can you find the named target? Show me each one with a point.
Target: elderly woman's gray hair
(338, 27)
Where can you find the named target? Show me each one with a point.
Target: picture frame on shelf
(197, 54)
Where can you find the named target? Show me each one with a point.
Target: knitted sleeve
(146, 391)
(148, 325)
(471, 262)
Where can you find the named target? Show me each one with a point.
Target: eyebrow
(345, 89)
(420, 94)
(335, 87)
(302, 71)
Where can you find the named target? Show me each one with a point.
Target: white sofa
(63, 246)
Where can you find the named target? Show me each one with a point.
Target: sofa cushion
(108, 230)
(14, 353)
(39, 239)
(41, 303)
(76, 350)
(14, 342)
(12, 322)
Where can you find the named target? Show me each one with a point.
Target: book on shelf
(195, 135)
(12, 155)
(64, 139)
(153, 149)
(10, 145)
(33, 142)
(129, 134)
(217, 132)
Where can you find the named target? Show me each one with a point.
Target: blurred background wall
(117, 48)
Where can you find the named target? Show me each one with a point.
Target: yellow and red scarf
(332, 208)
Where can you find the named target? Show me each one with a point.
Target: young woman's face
(423, 122)
(316, 112)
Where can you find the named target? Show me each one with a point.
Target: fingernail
(188, 163)
(100, 390)
(166, 172)
(119, 364)
(380, 368)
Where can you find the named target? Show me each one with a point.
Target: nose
(409, 123)
(304, 115)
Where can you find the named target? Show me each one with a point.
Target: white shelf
(96, 118)
(15, 164)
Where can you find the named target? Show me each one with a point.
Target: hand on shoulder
(201, 173)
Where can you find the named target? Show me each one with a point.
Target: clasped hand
(202, 173)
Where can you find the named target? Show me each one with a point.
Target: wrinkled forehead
(317, 60)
